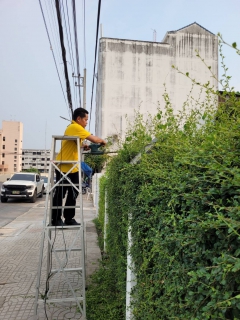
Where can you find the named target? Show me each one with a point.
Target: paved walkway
(19, 258)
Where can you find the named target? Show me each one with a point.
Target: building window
(4, 138)
(3, 146)
(2, 162)
(48, 159)
(39, 153)
(23, 152)
(15, 157)
(22, 158)
(34, 153)
(15, 165)
(15, 169)
(3, 155)
(34, 159)
(15, 140)
(15, 160)
(15, 149)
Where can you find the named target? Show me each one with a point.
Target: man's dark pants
(59, 194)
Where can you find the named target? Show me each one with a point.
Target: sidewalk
(19, 257)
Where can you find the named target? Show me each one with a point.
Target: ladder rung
(60, 300)
(67, 207)
(65, 185)
(56, 161)
(63, 227)
(66, 270)
(63, 250)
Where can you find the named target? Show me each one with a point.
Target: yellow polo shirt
(68, 150)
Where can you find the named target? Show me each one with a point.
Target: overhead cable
(84, 32)
(52, 49)
(69, 42)
(76, 48)
(64, 55)
(98, 19)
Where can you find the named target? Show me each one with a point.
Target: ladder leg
(39, 274)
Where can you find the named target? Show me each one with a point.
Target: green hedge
(184, 199)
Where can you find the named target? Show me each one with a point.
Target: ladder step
(65, 184)
(63, 250)
(63, 227)
(60, 300)
(56, 161)
(66, 270)
(67, 207)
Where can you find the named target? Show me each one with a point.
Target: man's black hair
(79, 112)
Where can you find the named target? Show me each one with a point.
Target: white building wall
(37, 159)
(132, 74)
(11, 147)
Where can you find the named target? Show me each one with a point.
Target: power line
(69, 42)
(76, 47)
(64, 55)
(84, 32)
(52, 49)
(74, 87)
(98, 18)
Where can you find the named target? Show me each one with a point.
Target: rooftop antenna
(154, 35)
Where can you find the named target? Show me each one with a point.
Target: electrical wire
(74, 87)
(68, 43)
(84, 32)
(52, 49)
(76, 48)
(98, 19)
(55, 36)
(68, 88)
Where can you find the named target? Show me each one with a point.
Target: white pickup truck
(26, 185)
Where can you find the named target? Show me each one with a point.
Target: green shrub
(184, 198)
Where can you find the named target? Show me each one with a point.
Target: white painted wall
(131, 74)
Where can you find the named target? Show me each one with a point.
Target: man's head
(80, 116)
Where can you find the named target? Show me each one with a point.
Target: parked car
(25, 185)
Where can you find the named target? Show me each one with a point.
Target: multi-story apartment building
(11, 136)
(35, 158)
(134, 74)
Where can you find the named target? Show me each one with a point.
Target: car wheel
(34, 197)
(4, 199)
(41, 194)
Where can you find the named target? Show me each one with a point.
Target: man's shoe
(58, 223)
(71, 222)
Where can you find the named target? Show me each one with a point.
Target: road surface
(14, 208)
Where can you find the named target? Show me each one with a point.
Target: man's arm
(96, 139)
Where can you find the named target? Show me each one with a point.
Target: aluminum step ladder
(61, 271)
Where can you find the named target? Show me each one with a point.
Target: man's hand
(103, 142)
(85, 147)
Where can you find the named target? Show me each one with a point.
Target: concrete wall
(132, 74)
(36, 158)
(11, 147)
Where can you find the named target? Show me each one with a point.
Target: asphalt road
(14, 208)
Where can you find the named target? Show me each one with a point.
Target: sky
(30, 91)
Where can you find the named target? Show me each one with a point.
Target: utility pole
(82, 83)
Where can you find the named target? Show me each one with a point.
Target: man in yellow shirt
(69, 152)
